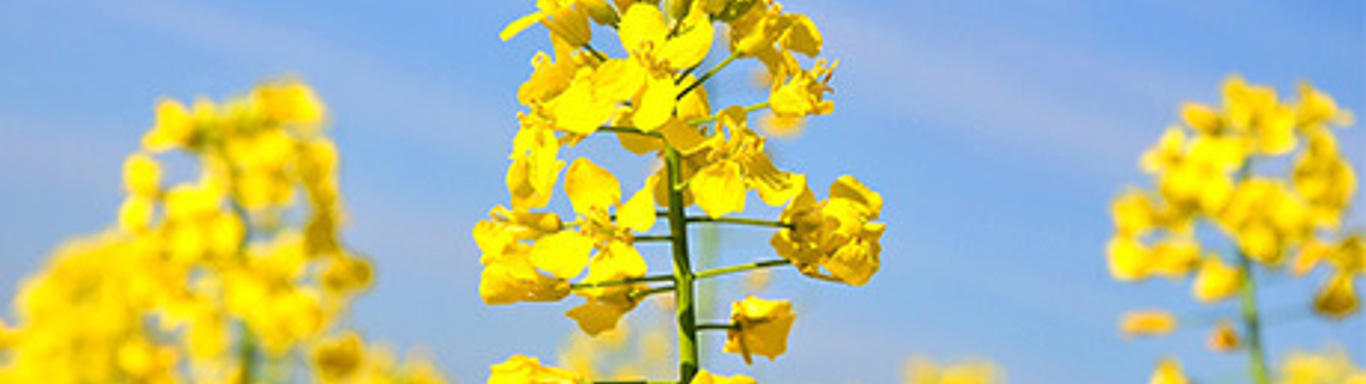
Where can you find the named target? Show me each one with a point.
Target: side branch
(613, 283)
(718, 326)
(740, 220)
(630, 130)
(708, 75)
(741, 268)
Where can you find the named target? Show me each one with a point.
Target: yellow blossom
(1216, 280)
(1147, 323)
(705, 377)
(1223, 338)
(520, 369)
(337, 359)
(1168, 372)
(760, 327)
(1337, 298)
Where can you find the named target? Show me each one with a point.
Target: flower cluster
(1267, 174)
(655, 105)
(217, 277)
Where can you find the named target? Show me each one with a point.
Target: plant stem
(1248, 303)
(246, 350)
(590, 49)
(647, 238)
(717, 326)
(613, 283)
(637, 295)
(708, 75)
(630, 130)
(740, 220)
(741, 268)
(1252, 322)
(711, 118)
(683, 275)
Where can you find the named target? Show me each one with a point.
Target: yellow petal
(683, 137)
(590, 187)
(802, 36)
(1168, 372)
(762, 327)
(847, 187)
(1147, 323)
(1223, 338)
(577, 110)
(1216, 281)
(1203, 118)
(691, 45)
(141, 175)
(1129, 259)
(1337, 298)
(642, 27)
(619, 80)
(638, 213)
(563, 254)
(595, 317)
(174, 127)
(656, 104)
(522, 23)
(719, 189)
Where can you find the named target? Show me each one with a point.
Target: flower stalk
(683, 274)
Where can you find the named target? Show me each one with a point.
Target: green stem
(613, 283)
(718, 326)
(741, 268)
(630, 130)
(645, 238)
(708, 75)
(1252, 322)
(637, 295)
(590, 49)
(711, 118)
(740, 220)
(683, 275)
(247, 353)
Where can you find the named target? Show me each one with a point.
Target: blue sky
(997, 131)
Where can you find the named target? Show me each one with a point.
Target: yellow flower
(1147, 323)
(760, 327)
(705, 377)
(1128, 258)
(1337, 298)
(290, 102)
(1168, 372)
(1216, 280)
(141, 175)
(1134, 213)
(339, 358)
(836, 234)
(1223, 338)
(1324, 179)
(1331, 366)
(606, 305)
(1316, 108)
(1201, 117)
(535, 165)
(803, 93)
(175, 127)
(520, 369)
(590, 187)
(920, 370)
(566, 19)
